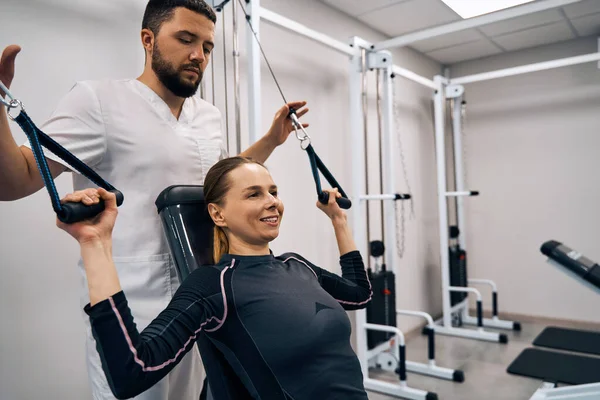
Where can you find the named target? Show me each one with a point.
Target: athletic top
(268, 328)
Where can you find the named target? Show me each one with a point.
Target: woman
(277, 324)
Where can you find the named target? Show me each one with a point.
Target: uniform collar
(159, 105)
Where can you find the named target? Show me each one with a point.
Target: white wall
(531, 149)
(42, 340)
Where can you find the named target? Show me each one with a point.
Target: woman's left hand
(98, 228)
(332, 209)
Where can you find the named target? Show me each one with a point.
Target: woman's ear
(216, 214)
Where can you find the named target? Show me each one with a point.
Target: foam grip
(475, 193)
(73, 212)
(343, 202)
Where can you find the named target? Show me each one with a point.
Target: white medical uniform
(128, 135)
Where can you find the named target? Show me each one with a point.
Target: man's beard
(171, 78)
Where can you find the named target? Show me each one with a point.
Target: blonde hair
(220, 244)
(216, 186)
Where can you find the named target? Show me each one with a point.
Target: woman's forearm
(103, 281)
(343, 235)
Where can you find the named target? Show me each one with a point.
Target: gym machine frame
(452, 88)
(356, 50)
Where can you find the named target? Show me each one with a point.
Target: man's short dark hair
(159, 11)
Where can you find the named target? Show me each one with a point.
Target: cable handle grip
(343, 202)
(73, 212)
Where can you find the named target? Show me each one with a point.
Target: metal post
(442, 204)
(254, 78)
(236, 79)
(365, 109)
(380, 147)
(358, 207)
(389, 170)
(459, 168)
(225, 79)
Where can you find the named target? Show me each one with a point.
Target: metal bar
(386, 328)
(286, 23)
(424, 315)
(236, 79)
(378, 197)
(465, 290)
(524, 69)
(489, 323)
(225, 79)
(293, 26)
(430, 370)
(429, 33)
(468, 334)
(365, 111)
(413, 77)
(358, 208)
(484, 282)
(380, 148)
(459, 174)
(459, 194)
(442, 204)
(388, 179)
(212, 79)
(254, 76)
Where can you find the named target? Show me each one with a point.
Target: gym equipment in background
(453, 247)
(553, 367)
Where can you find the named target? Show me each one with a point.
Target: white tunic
(128, 135)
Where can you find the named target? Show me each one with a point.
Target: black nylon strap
(37, 139)
(317, 165)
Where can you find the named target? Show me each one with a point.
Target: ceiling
(398, 17)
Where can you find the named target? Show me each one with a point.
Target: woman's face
(252, 211)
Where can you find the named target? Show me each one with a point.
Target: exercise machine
(581, 371)
(455, 283)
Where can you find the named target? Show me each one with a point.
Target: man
(141, 135)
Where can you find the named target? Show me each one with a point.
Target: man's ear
(147, 40)
(216, 214)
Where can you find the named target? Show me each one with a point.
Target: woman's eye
(185, 41)
(274, 194)
(255, 194)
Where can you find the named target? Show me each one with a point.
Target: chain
(401, 237)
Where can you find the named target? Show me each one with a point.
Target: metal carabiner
(304, 140)
(12, 103)
(8, 94)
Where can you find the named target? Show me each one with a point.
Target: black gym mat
(569, 339)
(556, 367)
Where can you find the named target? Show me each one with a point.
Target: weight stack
(458, 273)
(381, 310)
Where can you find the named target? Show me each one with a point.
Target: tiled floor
(483, 363)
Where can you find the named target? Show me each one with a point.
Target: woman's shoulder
(205, 278)
(289, 256)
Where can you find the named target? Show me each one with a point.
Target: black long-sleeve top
(267, 327)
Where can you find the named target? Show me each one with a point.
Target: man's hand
(7, 65)
(282, 126)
